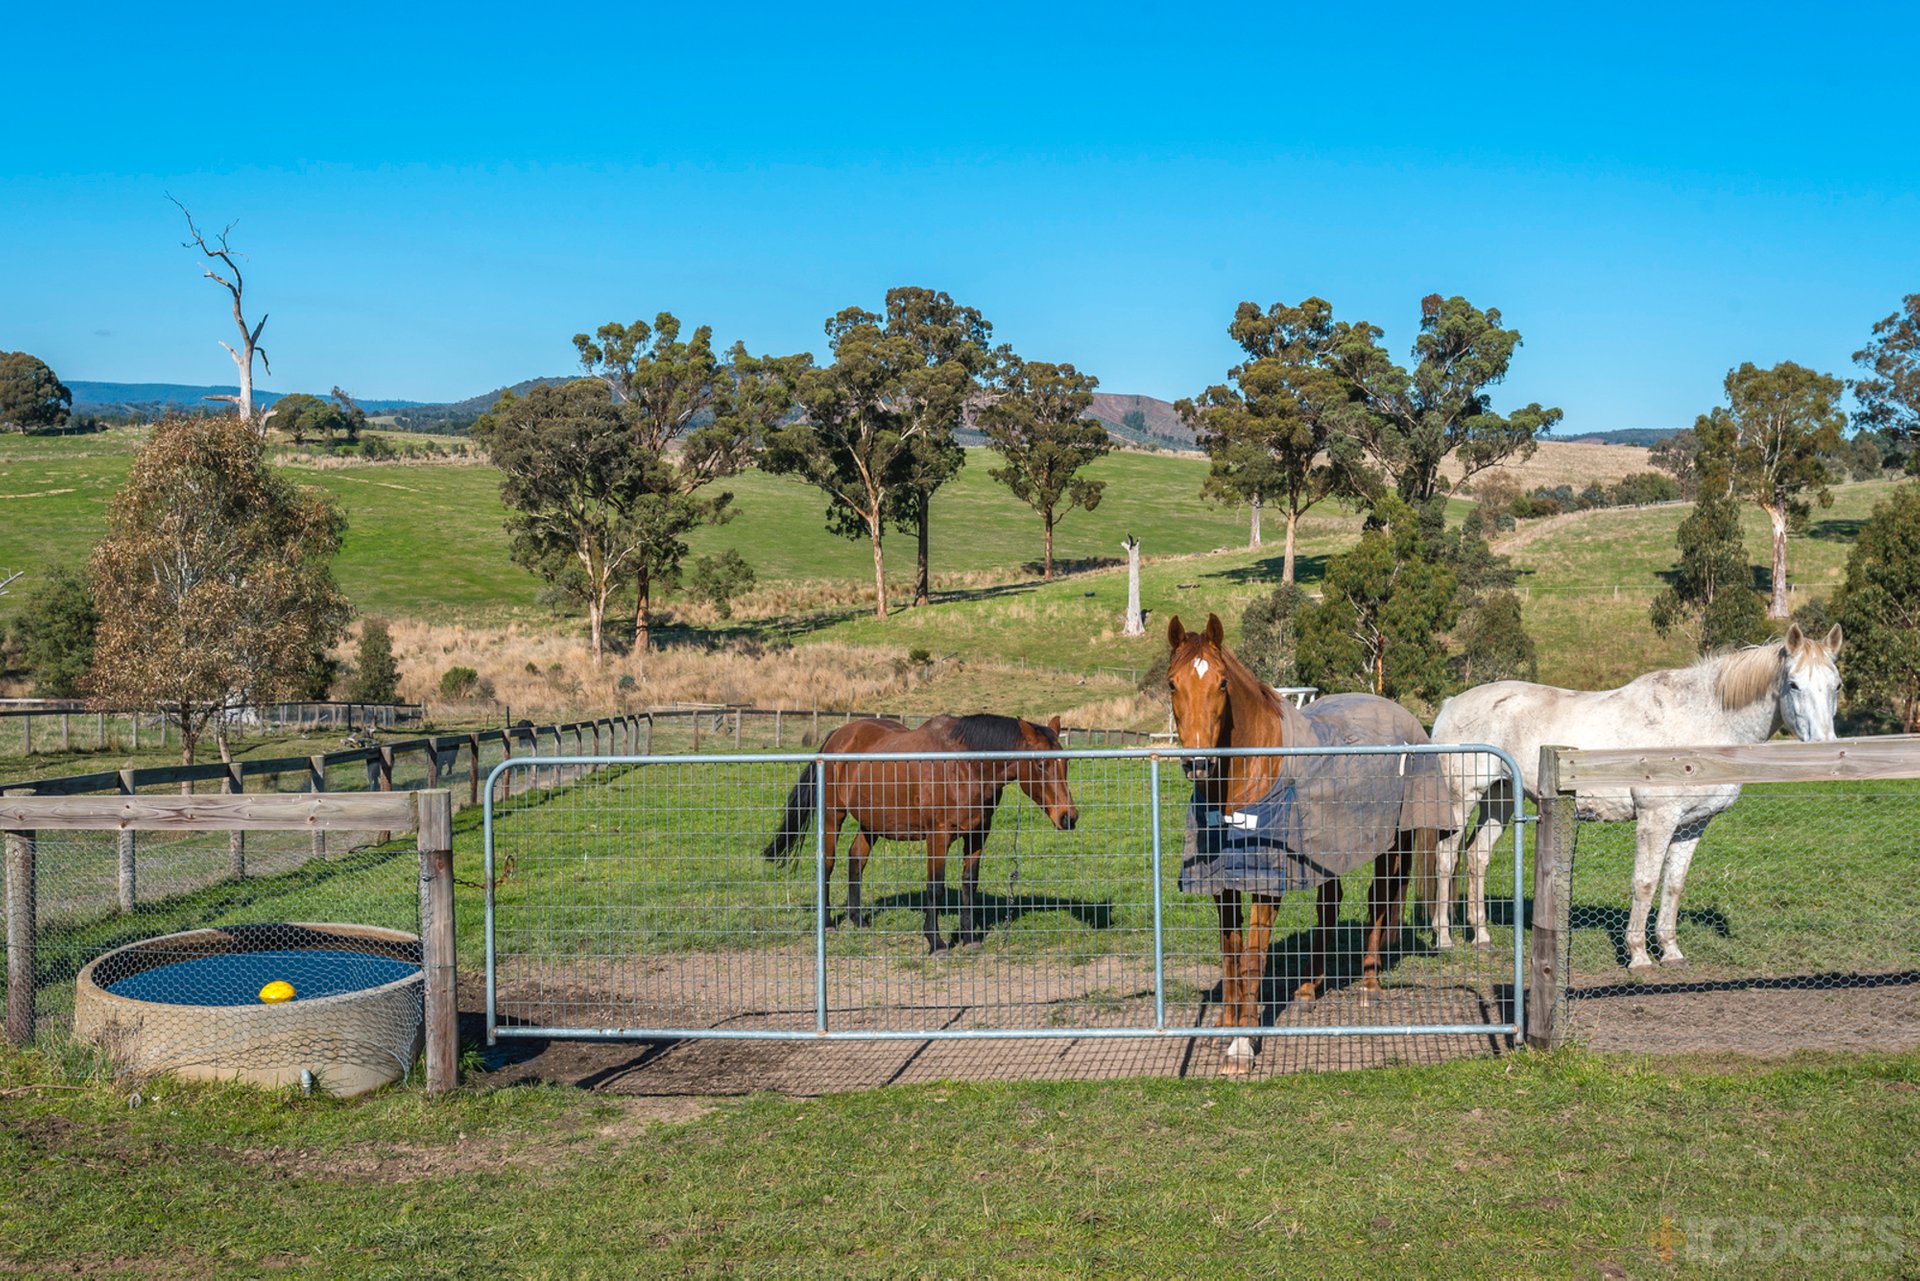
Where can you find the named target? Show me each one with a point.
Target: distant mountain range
(1140, 421)
(140, 398)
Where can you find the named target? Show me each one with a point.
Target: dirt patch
(1668, 1019)
(1069, 1022)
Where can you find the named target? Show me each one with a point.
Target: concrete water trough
(191, 1004)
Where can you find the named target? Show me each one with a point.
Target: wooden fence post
(648, 750)
(66, 731)
(1552, 872)
(738, 716)
(129, 856)
(384, 764)
(473, 775)
(433, 764)
(814, 736)
(693, 719)
(317, 783)
(776, 729)
(434, 839)
(236, 839)
(20, 926)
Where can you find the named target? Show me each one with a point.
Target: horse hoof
(1640, 963)
(1483, 943)
(1443, 942)
(1672, 959)
(1236, 1067)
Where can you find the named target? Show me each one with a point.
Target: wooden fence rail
(1566, 772)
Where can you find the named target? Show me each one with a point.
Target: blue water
(236, 978)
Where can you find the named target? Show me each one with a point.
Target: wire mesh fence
(1793, 923)
(718, 897)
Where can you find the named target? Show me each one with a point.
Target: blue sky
(435, 201)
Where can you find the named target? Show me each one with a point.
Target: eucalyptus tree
(946, 382)
(1270, 430)
(1040, 428)
(1889, 397)
(1409, 422)
(855, 435)
(1771, 439)
(694, 418)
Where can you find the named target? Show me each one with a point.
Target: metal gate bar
(602, 766)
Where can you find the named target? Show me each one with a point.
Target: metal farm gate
(631, 898)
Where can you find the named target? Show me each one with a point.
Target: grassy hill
(426, 542)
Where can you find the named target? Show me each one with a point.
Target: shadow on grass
(1306, 569)
(994, 910)
(1836, 530)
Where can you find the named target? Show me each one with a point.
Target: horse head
(1197, 680)
(1811, 691)
(1045, 781)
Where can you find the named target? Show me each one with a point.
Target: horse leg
(1253, 976)
(970, 931)
(1446, 858)
(1679, 859)
(1384, 893)
(1653, 833)
(1239, 1055)
(1479, 858)
(857, 853)
(1329, 916)
(936, 891)
(831, 845)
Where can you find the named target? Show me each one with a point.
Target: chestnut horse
(1329, 814)
(935, 801)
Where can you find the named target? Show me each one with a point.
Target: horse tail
(799, 816)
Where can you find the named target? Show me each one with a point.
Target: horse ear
(1795, 638)
(1216, 634)
(1054, 725)
(1834, 641)
(1175, 632)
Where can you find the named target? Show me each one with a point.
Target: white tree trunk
(1136, 625)
(1777, 608)
(1286, 560)
(1253, 532)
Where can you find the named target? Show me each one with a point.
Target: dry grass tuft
(547, 674)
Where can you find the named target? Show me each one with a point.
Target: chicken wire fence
(1798, 926)
(709, 897)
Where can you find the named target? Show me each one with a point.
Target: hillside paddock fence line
(1800, 920)
(51, 931)
(29, 726)
(644, 904)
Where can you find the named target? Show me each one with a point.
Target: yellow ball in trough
(277, 991)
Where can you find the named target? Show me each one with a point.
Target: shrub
(376, 677)
(1643, 487)
(1493, 641)
(919, 657)
(718, 579)
(1267, 635)
(53, 634)
(458, 684)
(1875, 604)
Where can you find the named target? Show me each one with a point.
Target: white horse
(1736, 697)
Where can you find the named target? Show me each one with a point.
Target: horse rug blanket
(1325, 815)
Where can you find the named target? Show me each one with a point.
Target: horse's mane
(985, 732)
(1745, 675)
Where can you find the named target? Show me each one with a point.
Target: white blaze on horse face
(1200, 668)
(1812, 694)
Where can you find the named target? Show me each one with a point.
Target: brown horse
(935, 801)
(1333, 815)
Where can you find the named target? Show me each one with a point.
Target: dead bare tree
(224, 253)
(8, 580)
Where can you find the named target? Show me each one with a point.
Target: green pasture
(1563, 1164)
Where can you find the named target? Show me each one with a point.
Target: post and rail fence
(428, 813)
(1799, 925)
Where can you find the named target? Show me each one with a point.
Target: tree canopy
(573, 477)
(696, 419)
(1889, 396)
(1710, 590)
(1409, 422)
(1040, 428)
(31, 397)
(1269, 430)
(214, 583)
